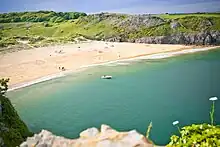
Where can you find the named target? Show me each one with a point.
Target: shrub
(4, 42)
(201, 135)
(46, 25)
(12, 129)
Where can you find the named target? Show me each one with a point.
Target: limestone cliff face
(202, 38)
(106, 137)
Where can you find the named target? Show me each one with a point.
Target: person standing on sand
(118, 54)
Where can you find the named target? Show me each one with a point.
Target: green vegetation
(202, 135)
(3, 86)
(58, 27)
(182, 15)
(13, 131)
(39, 16)
(148, 130)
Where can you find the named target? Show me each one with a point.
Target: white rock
(108, 137)
(105, 128)
(104, 143)
(24, 144)
(91, 132)
(133, 138)
(31, 141)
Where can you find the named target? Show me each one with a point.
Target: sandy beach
(49, 62)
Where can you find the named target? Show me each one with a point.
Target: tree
(39, 16)
(3, 86)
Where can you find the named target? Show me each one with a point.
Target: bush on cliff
(13, 130)
(203, 135)
(200, 135)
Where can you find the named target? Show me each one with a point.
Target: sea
(144, 90)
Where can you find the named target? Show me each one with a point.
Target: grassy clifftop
(41, 28)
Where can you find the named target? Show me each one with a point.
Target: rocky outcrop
(130, 22)
(114, 39)
(106, 137)
(174, 25)
(134, 22)
(203, 38)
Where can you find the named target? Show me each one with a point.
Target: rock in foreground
(106, 137)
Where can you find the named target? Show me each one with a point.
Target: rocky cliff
(202, 38)
(106, 137)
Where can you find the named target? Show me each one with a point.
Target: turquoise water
(160, 91)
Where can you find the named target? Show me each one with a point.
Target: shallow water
(161, 91)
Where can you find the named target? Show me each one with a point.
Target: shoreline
(132, 58)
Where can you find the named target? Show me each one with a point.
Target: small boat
(106, 77)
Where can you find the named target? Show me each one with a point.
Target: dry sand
(27, 65)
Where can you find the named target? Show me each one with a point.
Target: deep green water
(160, 91)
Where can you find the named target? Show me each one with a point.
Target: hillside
(33, 29)
(12, 129)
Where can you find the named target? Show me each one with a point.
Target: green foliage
(212, 113)
(39, 16)
(177, 16)
(12, 128)
(194, 23)
(47, 25)
(161, 30)
(7, 41)
(60, 27)
(148, 130)
(3, 86)
(34, 40)
(202, 135)
(15, 131)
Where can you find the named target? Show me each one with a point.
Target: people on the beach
(118, 54)
(62, 68)
(59, 52)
